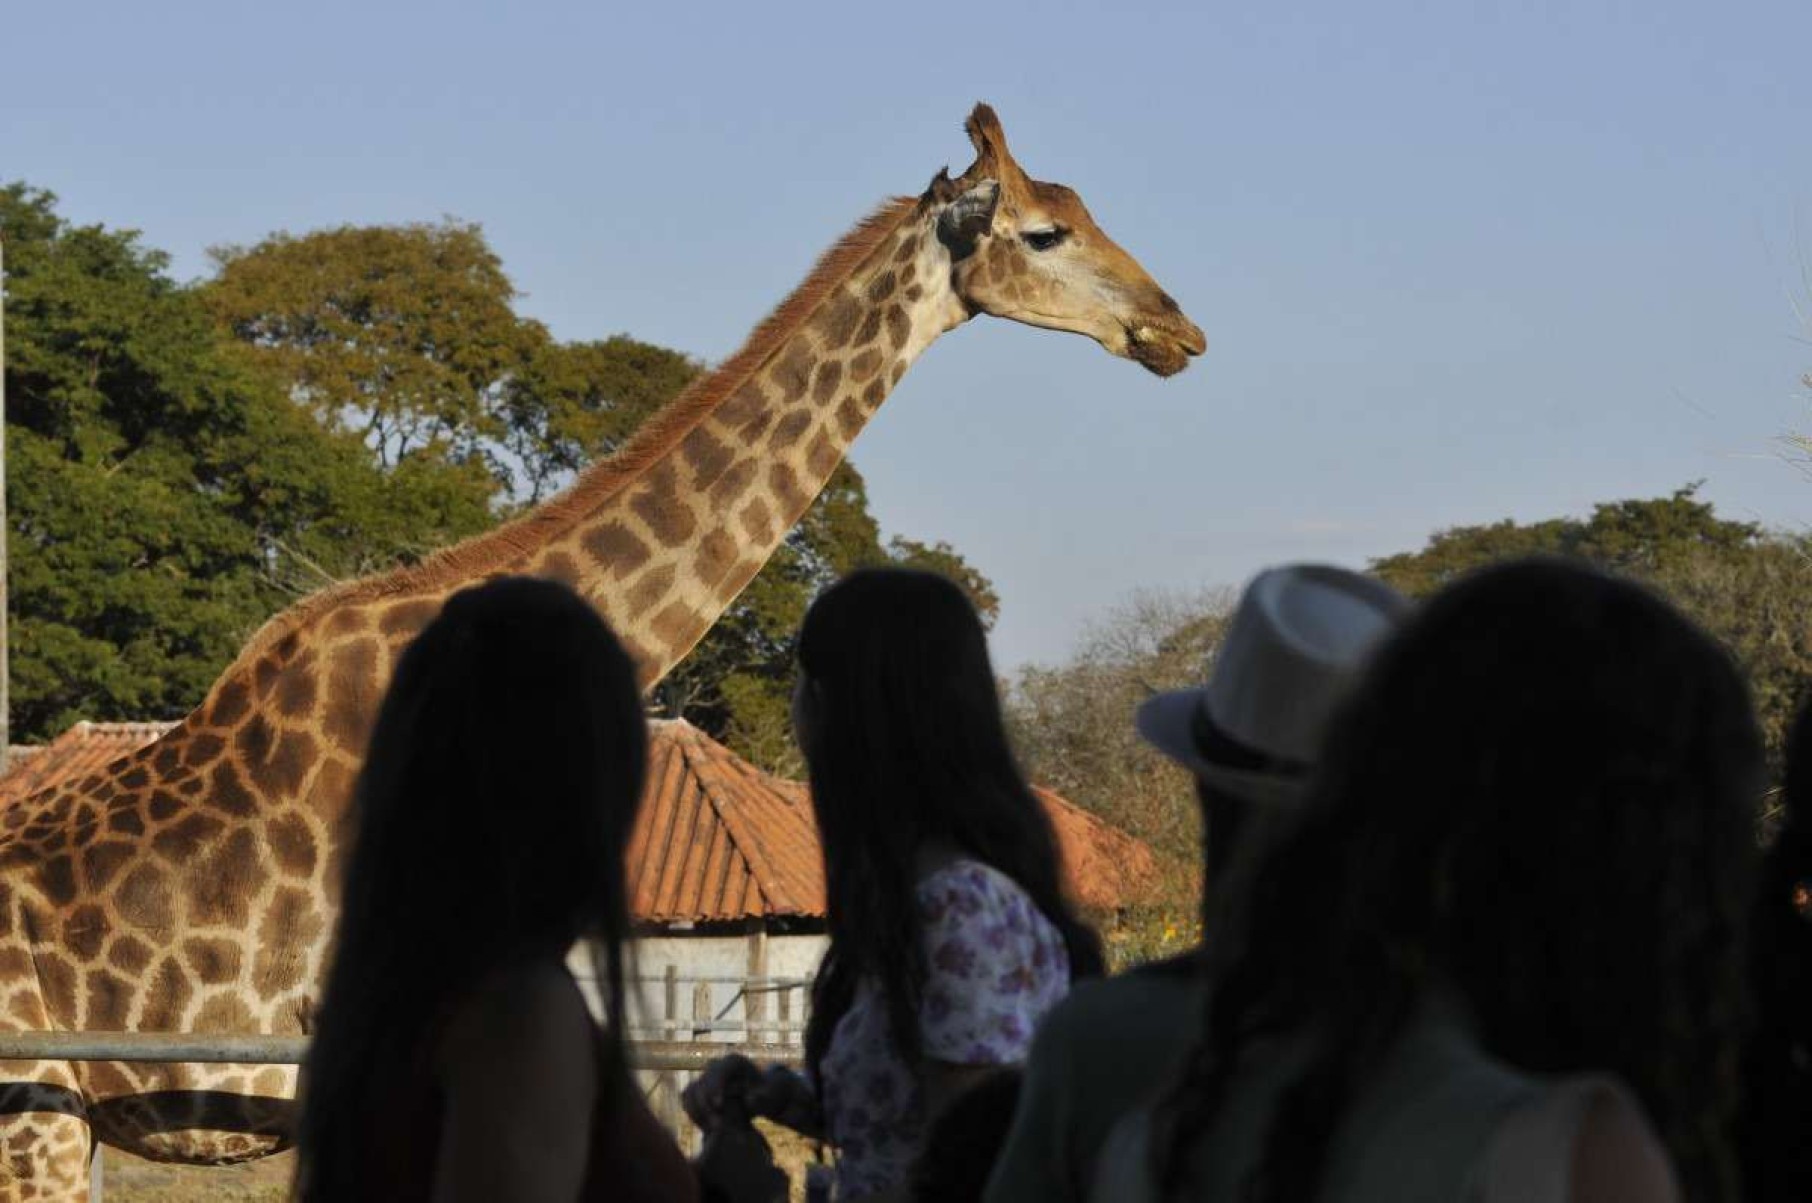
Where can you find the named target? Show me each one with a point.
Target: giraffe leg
(45, 1145)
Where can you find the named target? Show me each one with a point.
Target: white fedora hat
(1298, 638)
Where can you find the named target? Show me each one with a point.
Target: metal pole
(6, 711)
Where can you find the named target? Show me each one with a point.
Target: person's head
(965, 1139)
(1253, 730)
(899, 717)
(488, 826)
(1541, 794)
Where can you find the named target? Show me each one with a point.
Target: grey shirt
(1105, 1049)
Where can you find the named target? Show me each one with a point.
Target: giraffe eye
(1044, 240)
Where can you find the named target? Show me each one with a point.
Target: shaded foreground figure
(455, 1057)
(1500, 957)
(949, 933)
(1777, 1094)
(186, 888)
(1296, 642)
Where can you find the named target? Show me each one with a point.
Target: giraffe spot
(707, 455)
(185, 839)
(836, 320)
(222, 879)
(57, 878)
(125, 821)
(292, 844)
(264, 675)
(758, 520)
(823, 455)
(899, 327)
(109, 1000)
(279, 774)
(295, 694)
(85, 931)
(790, 428)
(881, 287)
(167, 758)
(794, 371)
(863, 367)
(59, 983)
(163, 805)
(732, 483)
(101, 861)
(717, 551)
(212, 960)
(824, 384)
(143, 900)
(15, 963)
(349, 620)
(130, 953)
(166, 997)
(558, 566)
(204, 747)
(291, 924)
(408, 618)
(666, 510)
(743, 406)
(227, 790)
(676, 626)
(871, 328)
(784, 483)
(651, 587)
(851, 417)
(225, 1013)
(874, 394)
(616, 548)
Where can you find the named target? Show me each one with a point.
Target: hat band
(1216, 746)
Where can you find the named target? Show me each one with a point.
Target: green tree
(1746, 585)
(163, 499)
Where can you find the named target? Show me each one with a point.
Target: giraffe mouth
(1161, 350)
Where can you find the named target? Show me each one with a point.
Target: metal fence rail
(199, 1048)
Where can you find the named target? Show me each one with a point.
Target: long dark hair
(906, 748)
(1542, 794)
(488, 829)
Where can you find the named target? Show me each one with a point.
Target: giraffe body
(189, 887)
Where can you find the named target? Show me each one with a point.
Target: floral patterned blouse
(994, 966)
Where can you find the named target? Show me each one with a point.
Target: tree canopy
(184, 461)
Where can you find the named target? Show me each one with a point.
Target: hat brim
(1166, 721)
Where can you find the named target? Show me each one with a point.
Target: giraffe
(189, 887)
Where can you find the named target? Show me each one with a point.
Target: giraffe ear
(989, 140)
(968, 217)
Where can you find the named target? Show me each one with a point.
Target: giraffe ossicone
(190, 887)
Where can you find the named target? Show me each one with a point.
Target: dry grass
(129, 1179)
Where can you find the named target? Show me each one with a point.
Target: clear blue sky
(1455, 261)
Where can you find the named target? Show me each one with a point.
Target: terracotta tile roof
(77, 752)
(717, 839)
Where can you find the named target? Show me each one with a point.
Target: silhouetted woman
(949, 933)
(1500, 956)
(454, 1057)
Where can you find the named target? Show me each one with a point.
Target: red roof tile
(717, 839)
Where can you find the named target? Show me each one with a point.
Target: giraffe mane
(655, 438)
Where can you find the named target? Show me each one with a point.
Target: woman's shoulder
(1583, 1138)
(965, 886)
(528, 1004)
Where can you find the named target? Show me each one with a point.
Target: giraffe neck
(665, 556)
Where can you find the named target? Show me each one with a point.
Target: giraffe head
(1027, 250)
